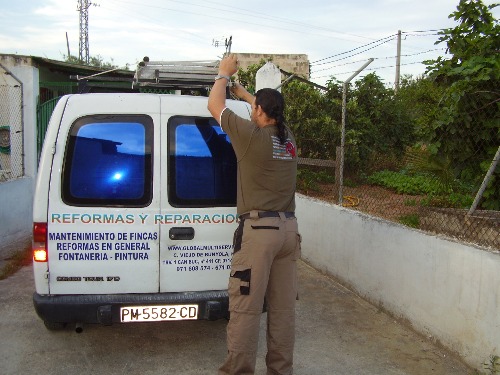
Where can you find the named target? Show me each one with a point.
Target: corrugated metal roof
(78, 69)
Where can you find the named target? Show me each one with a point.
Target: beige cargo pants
(264, 264)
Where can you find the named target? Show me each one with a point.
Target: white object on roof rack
(176, 73)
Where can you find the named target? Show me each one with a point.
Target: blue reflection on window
(204, 164)
(108, 161)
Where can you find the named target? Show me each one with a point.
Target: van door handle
(181, 233)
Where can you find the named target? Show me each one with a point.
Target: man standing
(266, 242)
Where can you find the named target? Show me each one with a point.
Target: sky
(338, 36)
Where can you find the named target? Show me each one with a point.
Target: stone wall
(292, 63)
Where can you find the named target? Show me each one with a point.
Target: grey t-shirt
(267, 170)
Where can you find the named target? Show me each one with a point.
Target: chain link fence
(447, 191)
(11, 126)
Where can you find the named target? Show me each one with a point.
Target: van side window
(108, 161)
(202, 169)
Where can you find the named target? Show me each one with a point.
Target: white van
(134, 210)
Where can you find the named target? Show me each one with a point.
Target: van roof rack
(175, 74)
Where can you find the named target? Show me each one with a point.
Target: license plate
(158, 313)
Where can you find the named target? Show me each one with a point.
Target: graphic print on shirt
(283, 151)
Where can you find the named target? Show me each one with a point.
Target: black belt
(288, 214)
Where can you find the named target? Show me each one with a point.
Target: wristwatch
(219, 76)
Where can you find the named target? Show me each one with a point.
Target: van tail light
(40, 242)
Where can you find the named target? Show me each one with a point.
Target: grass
(436, 193)
(15, 262)
(492, 365)
(412, 220)
(410, 202)
(309, 180)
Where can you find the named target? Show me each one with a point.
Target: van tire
(52, 326)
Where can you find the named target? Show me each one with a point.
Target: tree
(96, 61)
(309, 115)
(247, 77)
(379, 119)
(420, 97)
(467, 130)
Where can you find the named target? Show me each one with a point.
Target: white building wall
(16, 196)
(446, 290)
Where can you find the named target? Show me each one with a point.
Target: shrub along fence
(405, 160)
(424, 154)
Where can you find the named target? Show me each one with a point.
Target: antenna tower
(83, 51)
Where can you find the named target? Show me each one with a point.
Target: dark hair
(273, 104)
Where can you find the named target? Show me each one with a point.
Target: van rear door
(198, 198)
(102, 237)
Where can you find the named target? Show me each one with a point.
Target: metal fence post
(342, 138)
(487, 179)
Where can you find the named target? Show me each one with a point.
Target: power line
(371, 69)
(364, 48)
(375, 68)
(280, 19)
(247, 22)
(262, 15)
(381, 58)
(148, 18)
(381, 42)
(424, 31)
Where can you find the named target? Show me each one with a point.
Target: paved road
(337, 333)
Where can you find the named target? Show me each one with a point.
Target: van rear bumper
(105, 308)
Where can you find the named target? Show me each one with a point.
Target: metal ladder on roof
(175, 74)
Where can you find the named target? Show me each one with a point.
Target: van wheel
(51, 326)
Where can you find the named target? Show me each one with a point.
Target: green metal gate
(43, 112)
(49, 95)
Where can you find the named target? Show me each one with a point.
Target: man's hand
(228, 65)
(240, 92)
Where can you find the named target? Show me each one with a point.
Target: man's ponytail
(273, 104)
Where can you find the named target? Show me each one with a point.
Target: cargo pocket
(238, 237)
(265, 227)
(240, 280)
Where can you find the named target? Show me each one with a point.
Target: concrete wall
(16, 196)
(292, 63)
(446, 290)
(16, 215)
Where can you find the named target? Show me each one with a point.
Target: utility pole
(67, 45)
(83, 51)
(398, 63)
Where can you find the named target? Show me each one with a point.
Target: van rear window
(108, 161)
(202, 169)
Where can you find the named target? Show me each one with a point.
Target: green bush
(437, 195)
(415, 184)
(308, 179)
(412, 220)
